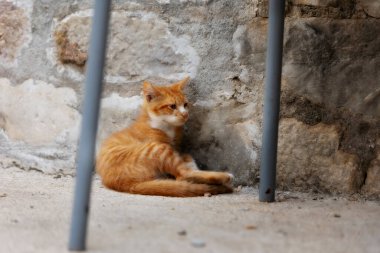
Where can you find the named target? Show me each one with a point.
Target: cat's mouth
(184, 117)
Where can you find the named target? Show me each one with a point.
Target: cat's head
(166, 104)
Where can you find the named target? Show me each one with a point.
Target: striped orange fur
(143, 158)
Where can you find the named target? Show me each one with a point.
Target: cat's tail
(175, 188)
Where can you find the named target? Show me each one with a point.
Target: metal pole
(272, 101)
(86, 150)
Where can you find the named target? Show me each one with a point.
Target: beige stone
(140, 46)
(309, 159)
(372, 183)
(371, 7)
(14, 30)
(38, 113)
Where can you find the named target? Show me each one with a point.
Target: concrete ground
(35, 212)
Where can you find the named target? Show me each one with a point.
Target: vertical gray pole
(272, 101)
(86, 150)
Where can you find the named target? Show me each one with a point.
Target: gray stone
(182, 232)
(198, 243)
(336, 9)
(315, 2)
(220, 141)
(322, 63)
(117, 113)
(241, 44)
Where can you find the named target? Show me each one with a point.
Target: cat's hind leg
(183, 168)
(207, 177)
(174, 188)
(195, 175)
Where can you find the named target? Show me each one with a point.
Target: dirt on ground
(35, 212)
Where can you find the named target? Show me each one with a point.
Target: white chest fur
(160, 122)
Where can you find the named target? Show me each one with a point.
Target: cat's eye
(173, 106)
(185, 105)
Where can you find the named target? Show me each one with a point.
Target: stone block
(140, 46)
(372, 183)
(38, 113)
(371, 7)
(14, 31)
(309, 159)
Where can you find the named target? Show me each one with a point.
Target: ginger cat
(142, 159)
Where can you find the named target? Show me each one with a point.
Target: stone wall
(330, 104)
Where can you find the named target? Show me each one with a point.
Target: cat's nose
(185, 115)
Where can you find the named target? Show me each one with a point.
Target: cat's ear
(149, 91)
(181, 84)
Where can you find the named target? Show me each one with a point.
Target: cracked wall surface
(330, 101)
